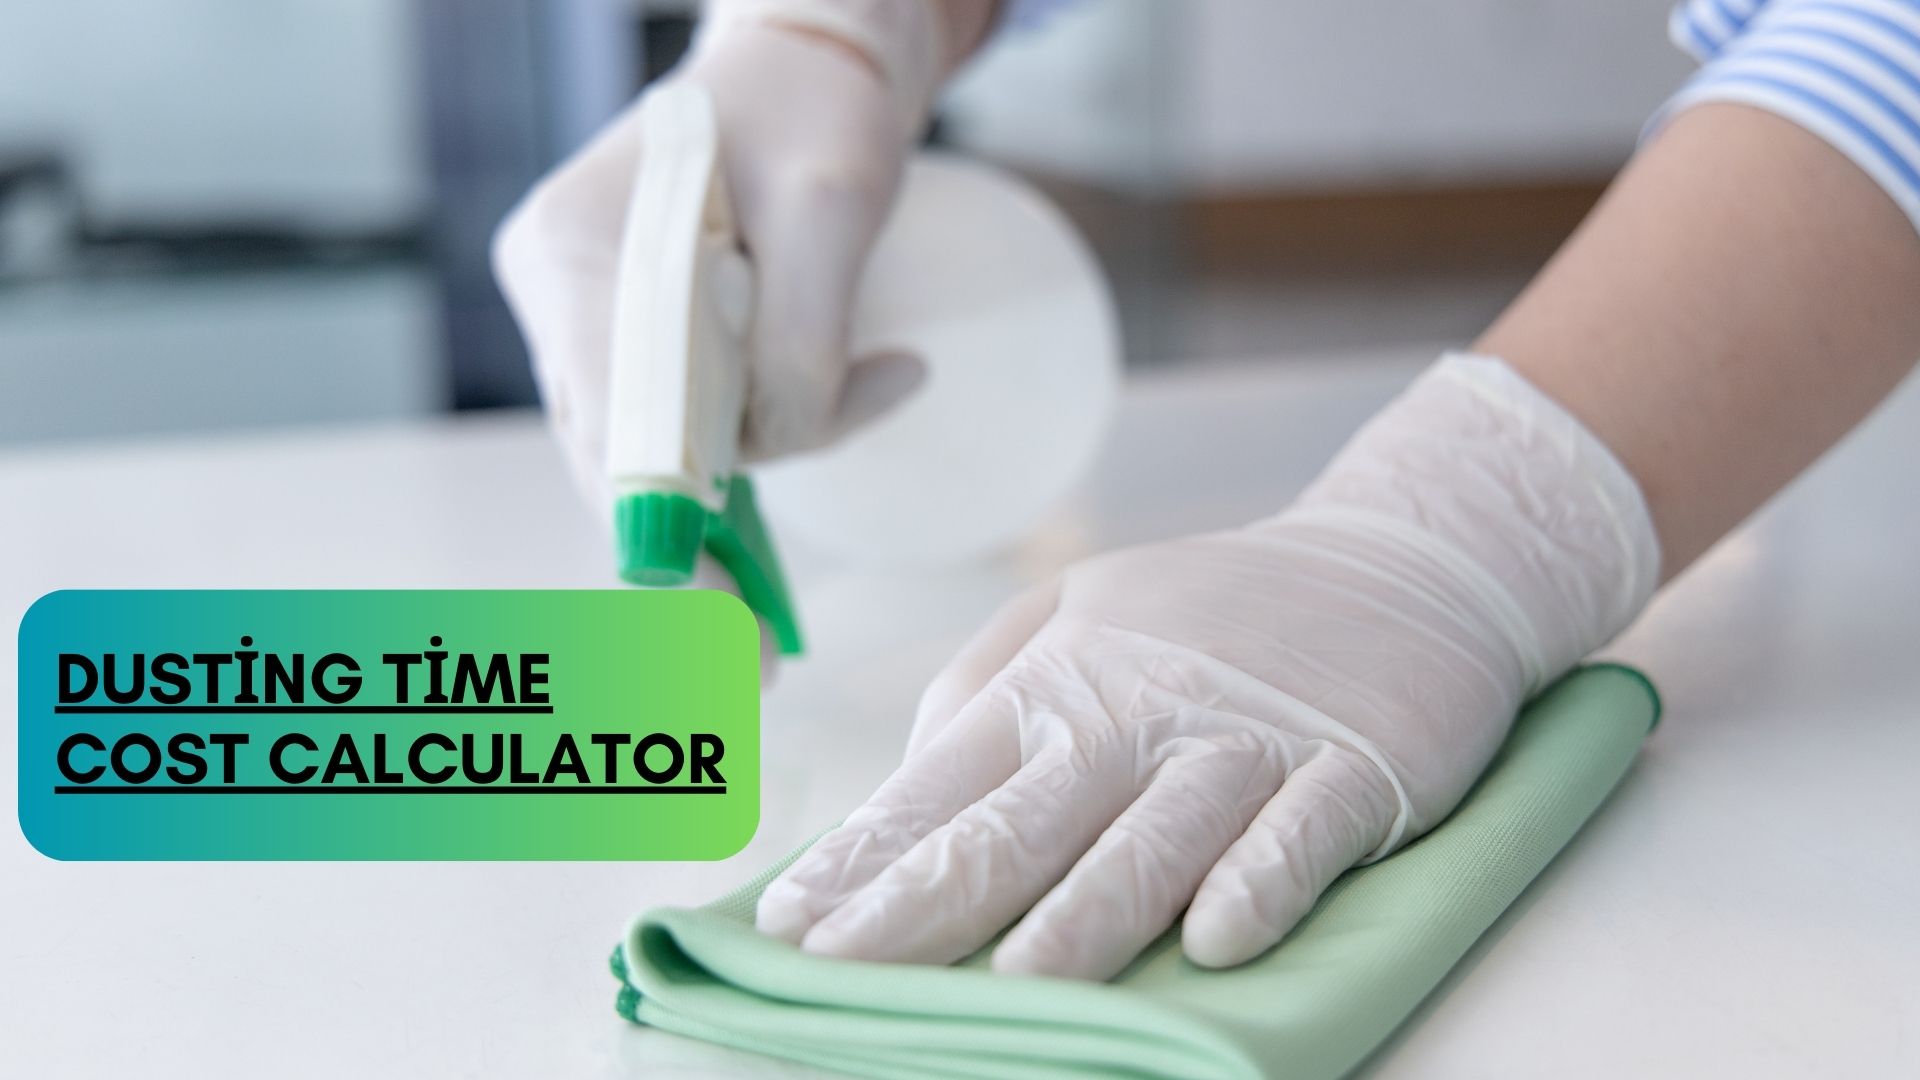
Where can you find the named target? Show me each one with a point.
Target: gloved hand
(818, 103)
(1230, 721)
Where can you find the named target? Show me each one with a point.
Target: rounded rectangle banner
(389, 724)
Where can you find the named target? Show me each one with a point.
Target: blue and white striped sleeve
(1846, 70)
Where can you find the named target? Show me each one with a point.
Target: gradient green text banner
(389, 725)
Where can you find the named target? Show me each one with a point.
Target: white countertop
(1748, 904)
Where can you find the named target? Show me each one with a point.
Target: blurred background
(221, 214)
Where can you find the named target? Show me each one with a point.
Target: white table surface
(1748, 904)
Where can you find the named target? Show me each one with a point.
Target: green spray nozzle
(660, 535)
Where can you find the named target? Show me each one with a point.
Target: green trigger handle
(661, 534)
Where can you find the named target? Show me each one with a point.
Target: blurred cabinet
(291, 110)
(1272, 95)
(131, 356)
(239, 235)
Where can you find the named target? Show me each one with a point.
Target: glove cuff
(1500, 488)
(905, 39)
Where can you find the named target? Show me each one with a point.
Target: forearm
(1741, 298)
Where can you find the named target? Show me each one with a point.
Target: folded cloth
(1378, 940)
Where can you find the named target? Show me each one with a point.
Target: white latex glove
(1230, 721)
(818, 101)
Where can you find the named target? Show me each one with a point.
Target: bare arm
(1741, 298)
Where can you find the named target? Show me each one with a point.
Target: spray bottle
(974, 272)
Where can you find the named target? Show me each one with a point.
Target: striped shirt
(1846, 70)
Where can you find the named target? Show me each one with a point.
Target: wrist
(902, 42)
(1526, 524)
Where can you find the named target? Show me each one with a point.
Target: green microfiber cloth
(1379, 939)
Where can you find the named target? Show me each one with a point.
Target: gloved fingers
(969, 762)
(808, 236)
(970, 878)
(1128, 888)
(567, 228)
(874, 386)
(990, 649)
(568, 336)
(1330, 813)
(600, 173)
(556, 257)
(574, 392)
